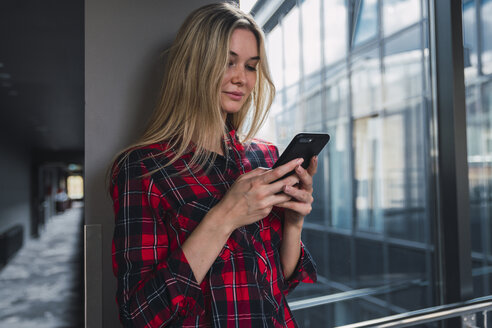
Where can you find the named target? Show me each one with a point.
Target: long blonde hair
(189, 111)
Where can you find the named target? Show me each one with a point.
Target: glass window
(311, 36)
(75, 187)
(285, 124)
(366, 83)
(312, 112)
(398, 14)
(367, 174)
(404, 191)
(291, 46)
(479, 139)
(337, 96)
(366, 26)
(487, 110)
(403, 66)
(477, 134)
(470, 38)
(486, 36)
(319, 208)
(369, 231)
(335, 22)
(479, 127)
(339, 179)
(275, 56)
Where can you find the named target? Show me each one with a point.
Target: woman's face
(240, 76)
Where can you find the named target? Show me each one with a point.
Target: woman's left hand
(302, 194)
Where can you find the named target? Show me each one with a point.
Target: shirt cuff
(187, 296)
(305, 271)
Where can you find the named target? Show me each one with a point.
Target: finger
(299, 194)
(305, 178)
(256, 172)
(280, 184)
(301, 208)
(282, 170)
(313, 166)
(275, 199)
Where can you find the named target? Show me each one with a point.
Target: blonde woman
(205, 236)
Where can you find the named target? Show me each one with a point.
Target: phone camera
(305, 140)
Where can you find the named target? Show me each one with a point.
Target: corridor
(42, 286)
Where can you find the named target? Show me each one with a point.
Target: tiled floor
(41, 287)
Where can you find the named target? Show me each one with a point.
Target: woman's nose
(239, 76)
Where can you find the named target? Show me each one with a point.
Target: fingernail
(300, 160)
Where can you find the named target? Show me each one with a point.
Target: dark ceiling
(42, 74)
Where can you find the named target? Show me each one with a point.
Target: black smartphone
(303, 145)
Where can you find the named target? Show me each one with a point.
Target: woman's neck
(216, 147)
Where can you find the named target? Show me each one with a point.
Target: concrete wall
(15, 186)
(124, 40)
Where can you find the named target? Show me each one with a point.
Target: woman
(204, 236)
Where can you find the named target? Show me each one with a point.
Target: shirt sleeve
(305, 271)
(156, 286)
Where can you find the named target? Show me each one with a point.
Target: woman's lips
(235, 95)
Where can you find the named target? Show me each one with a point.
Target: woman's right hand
(253, 195)
(250, 199)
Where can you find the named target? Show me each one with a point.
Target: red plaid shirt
(245, 286)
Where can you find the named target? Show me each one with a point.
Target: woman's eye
(251, 68)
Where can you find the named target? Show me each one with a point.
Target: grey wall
(15, 186)
(123, 43)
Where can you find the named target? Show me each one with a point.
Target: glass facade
(477, 31)
(361, 71)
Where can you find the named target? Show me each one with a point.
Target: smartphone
(303, 145)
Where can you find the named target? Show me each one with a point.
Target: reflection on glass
(398, 14)
(470, 38)
(403, 178)
(317, 214)
(367, 174)
(311, 112)
(393, 164)
(311, 36)
(403, 67)
(291, 46)
(285, 127)
(370, 228)
(479, 137)
(366, 83)
(487, 36)
(335, 22)
(337, 97)
(479, 134)
(367, 21)
(275, 56)
(339, 183)
(487, 109)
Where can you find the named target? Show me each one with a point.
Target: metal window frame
(452, 208)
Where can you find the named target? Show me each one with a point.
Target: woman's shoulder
(142, 159)
(261, 144)
(259, 148)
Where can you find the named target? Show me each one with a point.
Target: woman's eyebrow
(232, 53)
